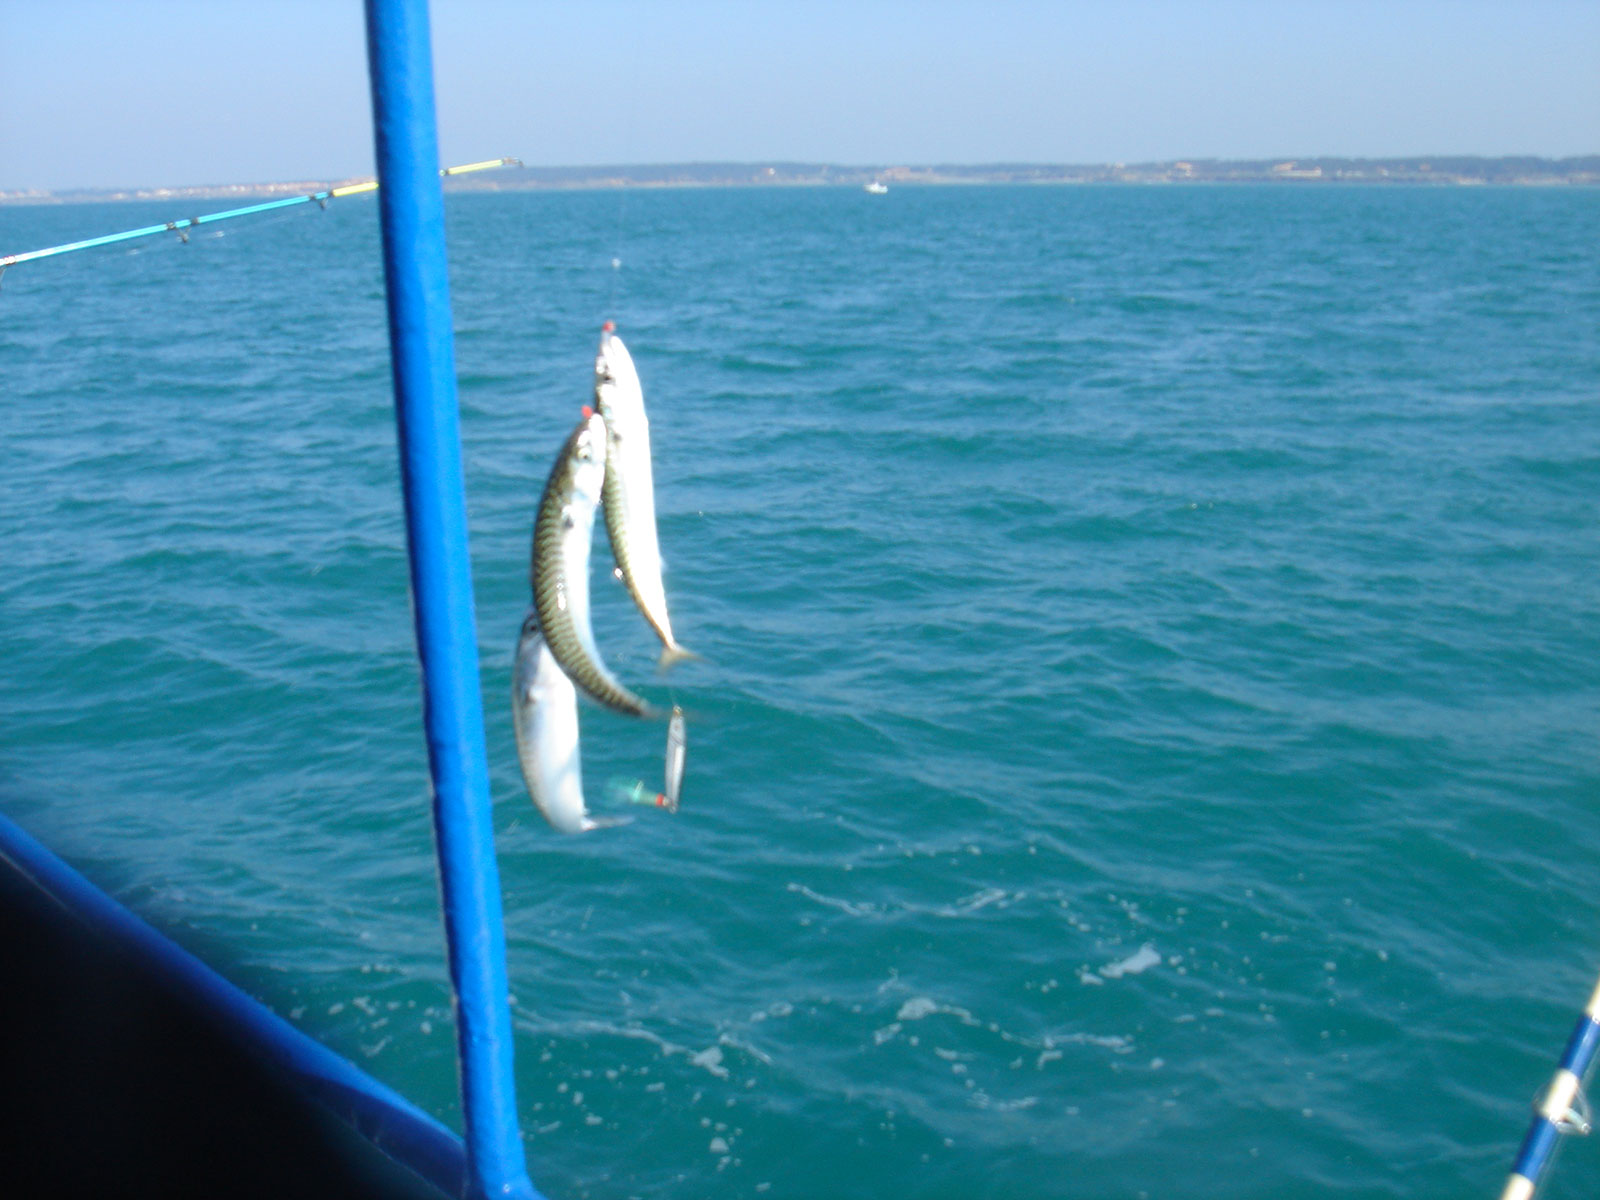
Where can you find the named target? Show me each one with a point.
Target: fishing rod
(1562, 1108)
(182, 227)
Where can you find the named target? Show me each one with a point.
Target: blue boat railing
(487, 1159)
(387, 1119)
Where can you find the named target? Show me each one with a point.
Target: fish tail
(590, 823)
(675, 654)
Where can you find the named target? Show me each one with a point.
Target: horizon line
(766, 170)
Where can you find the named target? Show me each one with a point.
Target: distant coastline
(1444, 170)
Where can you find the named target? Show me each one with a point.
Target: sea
(1144, 744)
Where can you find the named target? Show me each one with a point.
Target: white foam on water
(1140, 960)
(972, 903)
(984, 1100)
(925, 1006)
(753, 1051)
(711, 1059)
(844, 906)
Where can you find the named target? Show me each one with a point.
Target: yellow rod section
(371, 185)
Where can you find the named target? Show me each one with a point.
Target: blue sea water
(1146, 740)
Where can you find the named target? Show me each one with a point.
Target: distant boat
(876, 188)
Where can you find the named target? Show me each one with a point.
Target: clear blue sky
(100, 93)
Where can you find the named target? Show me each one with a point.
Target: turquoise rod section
(422, 348)
(178, 227)
(181, 227)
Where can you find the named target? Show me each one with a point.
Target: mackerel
(544, 710)
(628, 497)
(560, 567)
(677, 752)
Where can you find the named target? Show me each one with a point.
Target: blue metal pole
(411, 206)
(391, 1122)
(1560, 1110)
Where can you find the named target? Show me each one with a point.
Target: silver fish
(634, 791)
(677, 752)
(562, 533)
(629, 496)
(544, 710)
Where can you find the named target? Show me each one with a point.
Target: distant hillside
(1441, 170)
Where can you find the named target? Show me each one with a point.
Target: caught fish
(634, 791)
(544, 710)
(629, 497)
(560, 568)
(677, 752)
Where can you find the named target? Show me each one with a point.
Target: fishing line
(619, 230)
(635, 791)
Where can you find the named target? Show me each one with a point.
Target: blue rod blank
(411, 207)
(1560, 1103)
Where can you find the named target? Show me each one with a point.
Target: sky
(134, 93)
